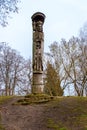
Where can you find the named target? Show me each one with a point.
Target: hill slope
(63, 113)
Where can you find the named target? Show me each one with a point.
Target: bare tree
(83, 67)
(72, 60)
(7, 7)
(13, 70)
(83, 47)
(26, 79)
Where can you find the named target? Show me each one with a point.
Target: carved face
(39, 26)
(38, 45)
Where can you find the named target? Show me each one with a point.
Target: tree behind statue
(52, 82)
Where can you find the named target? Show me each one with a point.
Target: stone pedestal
(38, 85)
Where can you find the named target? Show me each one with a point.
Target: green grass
(55, 125)
(1, 127)
(4, 99)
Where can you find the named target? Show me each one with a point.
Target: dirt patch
(19, 117)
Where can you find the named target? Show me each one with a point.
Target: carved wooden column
(38, 48)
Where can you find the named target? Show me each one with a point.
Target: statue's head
(37, 21)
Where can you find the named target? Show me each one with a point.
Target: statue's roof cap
(38, 16)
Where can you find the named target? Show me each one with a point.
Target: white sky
(64, 18)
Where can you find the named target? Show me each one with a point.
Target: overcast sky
(64, 18)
